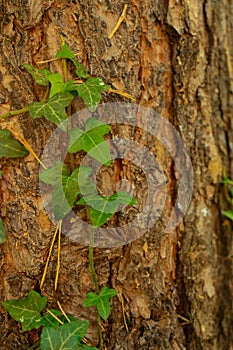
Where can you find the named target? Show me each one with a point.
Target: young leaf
(2, 232)
(90, 91)
(40, 75)
(228, 214)
(91, 140)
(101, 301)
(103, 208)
(65, 52)
(9, 147)
(27, 310)
(58, 85)
(66, 187)
(53, 109)
(64, 337)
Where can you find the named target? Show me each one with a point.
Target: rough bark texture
(176, 57)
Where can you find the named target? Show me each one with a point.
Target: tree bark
(175, 57)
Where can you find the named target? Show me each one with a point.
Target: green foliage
(228, 214)
(65, 186)
(2, 232)
(1, 172)
(91, 140)
(90, 91)
(27, 310)
(53, 109)
(40, 75)
(58, 85)
(101, 301)
(48, 320)
(105, 207)
(9, 147)
(68, 185)
(64, 337)
(66, 53)
(54, 336)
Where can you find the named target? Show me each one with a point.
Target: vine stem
(12, 113)
(91, 261)
(95, 281)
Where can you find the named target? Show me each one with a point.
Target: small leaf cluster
(101, 301)
(55, 335)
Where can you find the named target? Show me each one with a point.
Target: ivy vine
(61, 331)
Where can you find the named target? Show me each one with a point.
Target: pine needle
(122, 94)
(54, 316)
(120, 20)
(48, 258)
(58, 255)
(60, 307)
(26, 145)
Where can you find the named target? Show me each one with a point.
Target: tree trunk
(175, 57)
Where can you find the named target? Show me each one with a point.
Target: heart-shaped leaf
(2, 232)
(91, 140)
(90, 91)
(40, 75)
(64, 337)
(27, 310)
(9, 147)
(53, 109)
(101, 301)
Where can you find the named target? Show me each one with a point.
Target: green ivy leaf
(53, 109)
(40, 75)
(65, 52)
(58, 85)
(103, 208)
(101, 301)
(2, 232)
(228, 214)
(53, 175)
(91, 140)
(90, 91)
(64, 337)
(48, 320)
(9, 147)
(65, 186)
(27, 310)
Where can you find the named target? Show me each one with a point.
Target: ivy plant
(59, 332)
(70, 186)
